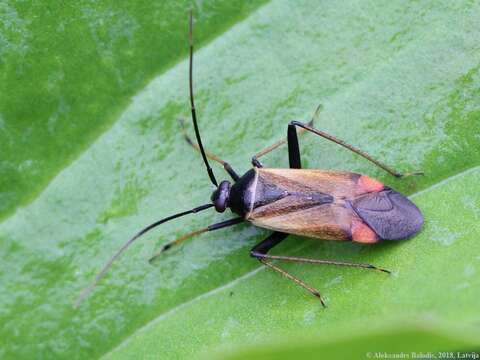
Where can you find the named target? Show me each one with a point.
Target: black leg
(266, 245)
(293, 157)
(257, 163)
(209, 155)
(260, 252)
(181, 239)
(293, 148)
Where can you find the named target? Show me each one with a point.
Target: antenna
(192, 104)
(88, 290)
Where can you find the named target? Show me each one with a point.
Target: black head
(221, 195)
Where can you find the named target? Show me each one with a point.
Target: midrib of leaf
(250, 274)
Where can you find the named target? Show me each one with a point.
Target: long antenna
(192, 104)
(88, 290)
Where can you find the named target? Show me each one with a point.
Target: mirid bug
(327, 205)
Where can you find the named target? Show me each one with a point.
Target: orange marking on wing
(367, 184)
(362, 233)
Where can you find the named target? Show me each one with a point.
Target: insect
(328, 205)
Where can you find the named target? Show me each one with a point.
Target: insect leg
(324, 262)
(294, 157)
(260, 252)
(181, 239)
(256, 162)
(388, 169)
(209, 155)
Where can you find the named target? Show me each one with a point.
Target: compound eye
(220, 196)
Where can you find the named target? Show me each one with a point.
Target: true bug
(328, 205)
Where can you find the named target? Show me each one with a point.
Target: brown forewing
(298, 212)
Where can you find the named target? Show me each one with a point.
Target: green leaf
(425, 340)
(399, 80)
(69, 70)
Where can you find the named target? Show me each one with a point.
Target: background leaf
(70, 68)
(397, 79)
(410, 340)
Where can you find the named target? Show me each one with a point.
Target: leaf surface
(399, 80)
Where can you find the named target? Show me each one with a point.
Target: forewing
(390, 214)
(312, 203)
(326, 221)
(334, 183)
